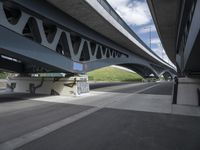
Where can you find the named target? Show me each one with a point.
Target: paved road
(127, 116)
(112, 129)
(120, 87)
(20, 114)
(98, 85)
(164, 88)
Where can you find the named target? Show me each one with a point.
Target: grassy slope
(113, 74)
(3, 75)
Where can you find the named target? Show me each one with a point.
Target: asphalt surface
(164, 88)
(18, 118)
(19, 114)
(97, 85)
(115, 125)
(110, 129)
(122, 88)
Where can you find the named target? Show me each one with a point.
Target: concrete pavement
(23, 120)
(127, 116)
(165, 88)
(114, 129)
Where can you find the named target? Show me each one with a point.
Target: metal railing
(113, 13)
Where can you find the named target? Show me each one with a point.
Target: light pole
(162, 51)
(149, 28)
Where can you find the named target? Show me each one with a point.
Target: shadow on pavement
(18, 97)
(113, 129)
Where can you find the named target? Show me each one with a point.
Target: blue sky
(137, 15)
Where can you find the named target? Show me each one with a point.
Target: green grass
(113, 74)
(3, 75)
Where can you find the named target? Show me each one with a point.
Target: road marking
(117, 87)
(146, 89)
(136, 92)
(26, 138)
(17, 142)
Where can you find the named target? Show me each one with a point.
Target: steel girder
(7, 65)
(44, 44)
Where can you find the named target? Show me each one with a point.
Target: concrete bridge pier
(187, 91)
(74, 86)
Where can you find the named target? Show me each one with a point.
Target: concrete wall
(3, 84)
(187, 91)
(51, 86)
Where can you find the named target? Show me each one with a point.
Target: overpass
(178, 25)
(70, 37)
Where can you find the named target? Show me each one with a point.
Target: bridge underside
(32, 43)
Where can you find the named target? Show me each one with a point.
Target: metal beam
(28, 51)
(9, 65)
(60, 49)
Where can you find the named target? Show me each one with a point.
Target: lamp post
(149, 28)
(162, 50)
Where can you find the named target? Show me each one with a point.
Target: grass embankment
(113, 74)
(3, 83)
(3, 75)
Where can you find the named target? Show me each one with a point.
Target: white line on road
(26, 138)
(17, 142)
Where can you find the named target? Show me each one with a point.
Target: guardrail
(113, 13)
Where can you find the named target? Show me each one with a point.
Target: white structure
(76, 85)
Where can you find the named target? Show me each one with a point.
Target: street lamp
(149, 28)
(162, 50)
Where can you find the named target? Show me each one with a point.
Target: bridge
(72, 37)
(178, 27)
(50, 36)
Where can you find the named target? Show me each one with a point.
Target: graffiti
(82, 86)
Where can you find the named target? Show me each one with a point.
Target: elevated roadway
(84, 34)
(178, 25)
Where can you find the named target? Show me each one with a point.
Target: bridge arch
(167, 75)
(37, 42)
(140, 66)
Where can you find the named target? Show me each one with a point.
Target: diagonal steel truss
(49, 35)
(46, 46)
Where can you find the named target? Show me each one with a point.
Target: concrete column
(75, 85)
(188, 91)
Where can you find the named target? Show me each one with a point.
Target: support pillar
(187, 92)
(74, 86)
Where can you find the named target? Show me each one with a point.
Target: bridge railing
(113, 13)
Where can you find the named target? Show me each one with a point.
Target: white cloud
(136, 12)
(146, 29)
(133, 12)
(158, 51)
(155, 41)
(162, 54)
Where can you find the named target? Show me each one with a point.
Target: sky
(137, 15)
